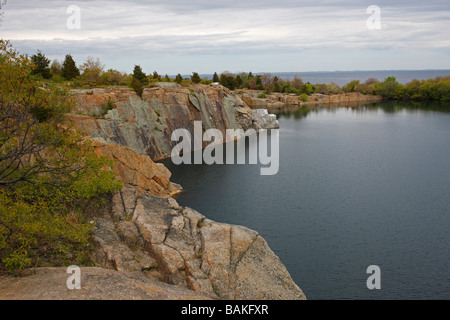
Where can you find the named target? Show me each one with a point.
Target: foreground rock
(96, 284)
(178, 245)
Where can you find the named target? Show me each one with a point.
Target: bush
(390, 88)
(49, 175)
(107, 107)
(303, 97)
(262, 95)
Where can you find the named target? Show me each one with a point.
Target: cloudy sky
(207, 36)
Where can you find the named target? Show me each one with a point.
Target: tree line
(92, 73)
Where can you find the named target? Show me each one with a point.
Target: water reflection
(388, 107)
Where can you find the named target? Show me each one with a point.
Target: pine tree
(156, 76)
(195, 78)
(178, 78)
(137, 86)
(139, 75)
(42, 65)
(69, 68)
(215, 77)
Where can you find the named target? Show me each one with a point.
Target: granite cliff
(146, 124)
(147, 246)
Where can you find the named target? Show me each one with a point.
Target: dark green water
(355, 187)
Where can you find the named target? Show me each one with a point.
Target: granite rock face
(146, 124)
(147, 246)
(137, 170)
(178, 245)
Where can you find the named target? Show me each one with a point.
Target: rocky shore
(145, 245)
(277, 102)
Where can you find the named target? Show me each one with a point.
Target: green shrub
(303, 97)
(107, 107)
(262, 95)
(50, 176)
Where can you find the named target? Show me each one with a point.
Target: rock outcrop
(157, 237)
(146, 124)
(96, 284)
(137, 170)
(145, 245)
(276, 102)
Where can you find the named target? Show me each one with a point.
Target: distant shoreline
(343, 77)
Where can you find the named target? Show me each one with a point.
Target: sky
(207, 36)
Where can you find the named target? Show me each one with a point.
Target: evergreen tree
(178, 78)
(41, 65)
(69, 68)
(137, 86)
(227, 80)
(195, 78)
(139, 75)
(215, 77)
(156, 76)
(259, 85)
(238, 82)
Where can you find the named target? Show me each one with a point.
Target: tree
(297, 82)
(41, 65)
(114, 77)
(389, 88)
(351, 86)
(156, 76)
(215, 77)
(195, 78)
(92, 70)
(137, 86)
(227, 80)
(258, 83)
(56, 68)
(69, 68)
(178, 78)
(139, 75)
(48, 172)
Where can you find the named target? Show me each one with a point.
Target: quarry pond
(356, 187)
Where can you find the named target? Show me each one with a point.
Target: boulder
(185, 248)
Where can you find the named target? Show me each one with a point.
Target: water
(344, 77)
(356, 187)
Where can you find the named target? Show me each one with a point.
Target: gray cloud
(126, 31)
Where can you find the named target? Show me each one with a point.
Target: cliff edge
(147, 246)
